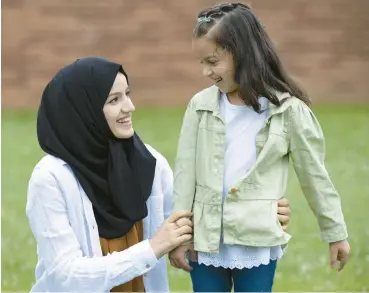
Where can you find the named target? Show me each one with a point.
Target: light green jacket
(250, 218)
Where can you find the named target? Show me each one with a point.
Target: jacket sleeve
(185, 163)
(307, 150)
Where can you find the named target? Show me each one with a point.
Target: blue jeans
(218, 279)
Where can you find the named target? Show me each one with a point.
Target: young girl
(233, 155)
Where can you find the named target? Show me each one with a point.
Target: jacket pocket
(207, 217)
(207, 226)
(253, 220)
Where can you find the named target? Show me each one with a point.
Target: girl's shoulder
(206, 99)
(299, 111)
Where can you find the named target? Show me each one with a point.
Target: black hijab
(116, 174)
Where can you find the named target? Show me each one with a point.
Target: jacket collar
(211, 98)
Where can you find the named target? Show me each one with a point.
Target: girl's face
(217, 63)
(118, 108)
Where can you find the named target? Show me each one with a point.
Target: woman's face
(118, 108)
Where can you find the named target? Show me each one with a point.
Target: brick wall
(325, 44)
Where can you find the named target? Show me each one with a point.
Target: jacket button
(233, 190)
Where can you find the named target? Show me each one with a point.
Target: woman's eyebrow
(115, 93)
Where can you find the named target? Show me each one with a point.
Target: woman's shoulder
(50, 169)
(160, 159)
(154, 152)
(162, 164)
(49, 163)
(50, 180)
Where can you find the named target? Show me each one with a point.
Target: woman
(97, 202)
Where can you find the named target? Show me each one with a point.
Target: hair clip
(204, 19)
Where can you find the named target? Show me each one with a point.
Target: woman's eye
(112, 101)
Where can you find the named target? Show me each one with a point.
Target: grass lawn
(305, 266)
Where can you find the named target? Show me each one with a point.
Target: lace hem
(236, 265)
(241, 261)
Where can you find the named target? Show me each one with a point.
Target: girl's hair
(258, 69)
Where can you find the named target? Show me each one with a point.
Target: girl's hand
(177, 257)
(339, 251)
(284, 212)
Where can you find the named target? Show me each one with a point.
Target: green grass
(305, 266)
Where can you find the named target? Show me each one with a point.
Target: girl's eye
(212, 62)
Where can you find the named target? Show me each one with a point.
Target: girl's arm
(185, 164)
(307, 150)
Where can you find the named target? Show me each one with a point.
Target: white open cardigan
(68, 245)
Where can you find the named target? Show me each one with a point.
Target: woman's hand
(174, 231)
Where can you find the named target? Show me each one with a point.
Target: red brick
(325, 44)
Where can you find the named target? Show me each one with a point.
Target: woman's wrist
(157, 247)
